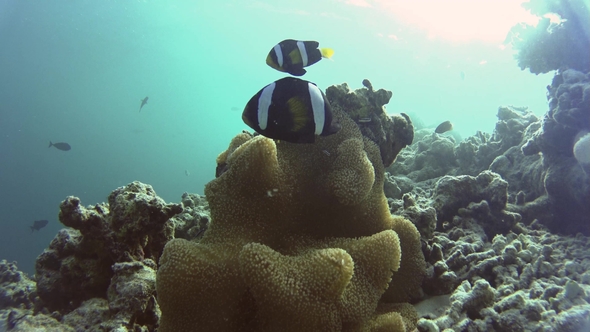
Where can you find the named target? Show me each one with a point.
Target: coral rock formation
(78, 264)
(559, 39)
(564, 178)
(103, 268)
(366, 107)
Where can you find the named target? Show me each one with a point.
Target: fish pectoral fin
(299, 113)
(327, 53)
(297, 71)
(295, 57)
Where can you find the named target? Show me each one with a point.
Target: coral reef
(564, 178)
(488, 272)
(365, 107)
(101, 271)
(482, 198)
(16, 289)
(78, 265)
(18, 295)
(547, 184)
(301, 238)
(492, 264)
(532, 281)
(194, 219)
(559, 40)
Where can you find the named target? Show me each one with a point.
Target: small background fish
(444, 127)
(38, 224)
(60, 146)
(143, 102)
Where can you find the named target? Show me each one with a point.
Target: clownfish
(292, 55)
(291, 110)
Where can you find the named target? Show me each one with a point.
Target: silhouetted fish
(143, 102)
(444, 127)
(38, 224)
(61, 146)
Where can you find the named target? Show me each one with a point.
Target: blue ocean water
(75, 72)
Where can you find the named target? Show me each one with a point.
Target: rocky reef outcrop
(565, 180)
(99, 273)
(484, 208)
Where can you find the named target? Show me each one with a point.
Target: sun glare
(460, 20)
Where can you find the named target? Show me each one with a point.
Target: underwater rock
(18, 298)
(194, 219)
(532, 276)
(397, 186)
(131, 295)
(102, 271)
(365, 107)
(22, 321)
(16, 289)
(565, 181)
(78, 264)
(92, 312)
(423, 218)
(430, 157)
(482, 198)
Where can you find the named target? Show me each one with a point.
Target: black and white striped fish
(291, 110)
(292, 55)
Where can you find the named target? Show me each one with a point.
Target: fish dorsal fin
(299, 114)
(295, 56)
(327, 52)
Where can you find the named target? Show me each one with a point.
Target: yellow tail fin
(327, 52)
